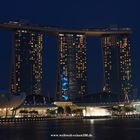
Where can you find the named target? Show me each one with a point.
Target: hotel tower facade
(117, 63)
(27, 62)
(72, 66)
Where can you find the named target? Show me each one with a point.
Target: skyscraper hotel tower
(27, 62)
(72, 61)
(117, 63)
(72, 66)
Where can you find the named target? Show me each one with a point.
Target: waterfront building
(117, 63)
(27, 62)
(72, 66)
(9, 102)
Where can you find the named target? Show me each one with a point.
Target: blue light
(65, 97)
(65, 79)
(64, 82)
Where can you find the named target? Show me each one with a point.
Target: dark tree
(60, 110)
(68, 109)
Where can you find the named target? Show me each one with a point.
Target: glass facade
(117, 63)
(72, 66)
(27, 62)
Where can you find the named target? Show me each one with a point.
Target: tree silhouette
(68, 110)
(60, 110)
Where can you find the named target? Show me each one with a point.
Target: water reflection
(92, 131)
(96, 129)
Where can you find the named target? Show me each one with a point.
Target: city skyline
(82, 15)
(72, 60)
(70, 63)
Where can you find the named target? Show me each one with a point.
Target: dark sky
(71, 13)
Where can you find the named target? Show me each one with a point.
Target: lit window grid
(125, 63)
(66, 42)
(34, 43)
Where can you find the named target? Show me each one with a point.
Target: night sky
(76, 14)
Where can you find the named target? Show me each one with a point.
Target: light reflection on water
(98, 129)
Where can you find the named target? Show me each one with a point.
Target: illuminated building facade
(72, 66)
(27, 62)
(117, 63)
